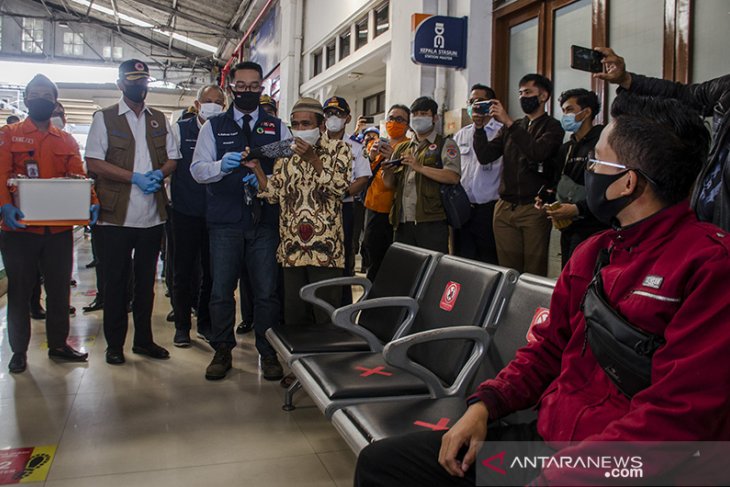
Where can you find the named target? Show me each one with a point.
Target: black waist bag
(622, 350)
(456, 204)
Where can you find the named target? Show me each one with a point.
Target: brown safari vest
(114, 195)
(429, 207)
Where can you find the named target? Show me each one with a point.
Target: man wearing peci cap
(35, 148)
(337, 116)
(309, 187)
(243, 230)
(131, 149)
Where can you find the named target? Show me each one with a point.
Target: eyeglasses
(240, 86)
(397, 119)
(593, 163)
(333, 113)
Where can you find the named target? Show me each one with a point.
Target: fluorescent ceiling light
(19, 73)
(141, 23)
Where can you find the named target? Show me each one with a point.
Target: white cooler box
(52, 202)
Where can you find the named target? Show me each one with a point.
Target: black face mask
(246, 101)
(136, 93)
(529, 103)
(604, 209)
(40, 109)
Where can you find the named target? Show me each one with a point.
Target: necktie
(247, 128)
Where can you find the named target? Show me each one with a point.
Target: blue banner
(439, 40)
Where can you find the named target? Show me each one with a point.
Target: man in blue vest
(189, 230)
(242, 228)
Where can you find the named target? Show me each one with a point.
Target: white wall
(322, 16)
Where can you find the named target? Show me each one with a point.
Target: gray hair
(205, 88)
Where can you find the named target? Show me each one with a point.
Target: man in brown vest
(131, 149)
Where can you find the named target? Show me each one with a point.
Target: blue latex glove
(146, 183)
(156, 175)
(11, 215)
(230, 161)
(251, 180)
(94, 212)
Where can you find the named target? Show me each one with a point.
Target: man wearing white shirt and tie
(242, 227)
(475, 240)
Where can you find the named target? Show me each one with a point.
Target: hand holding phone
(481, 107)
(585, 59)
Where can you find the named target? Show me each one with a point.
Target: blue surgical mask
(569, 123)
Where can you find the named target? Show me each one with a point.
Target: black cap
(337, 103)
(133, 69)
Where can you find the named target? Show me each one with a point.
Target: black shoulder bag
(622, 350)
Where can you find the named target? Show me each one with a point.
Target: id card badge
(31, 169)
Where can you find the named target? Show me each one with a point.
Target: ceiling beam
(189, 14)
(193, 58)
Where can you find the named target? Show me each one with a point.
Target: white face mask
(57, 122)
(421, 124)
(310, 136)
(335, 124)
(208, 110)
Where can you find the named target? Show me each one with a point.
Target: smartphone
(368, 119)
(547, 195)
(481, 107)
(395, 162)
(585, 59)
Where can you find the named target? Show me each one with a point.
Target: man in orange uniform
(36, 149)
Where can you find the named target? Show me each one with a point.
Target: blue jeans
(230, 247)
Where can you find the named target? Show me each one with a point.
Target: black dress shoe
(95, 305)
(244, 328)
(114, 357)
(18, 363)
(67, 353)
(152, 350)
(38, 314)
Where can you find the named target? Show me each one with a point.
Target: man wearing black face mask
(635, 347)
(131, 149)
(35, 148)
(243, 229)
(528, 146)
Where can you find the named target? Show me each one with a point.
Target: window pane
(572, 26)
(711, 37)
(362, 33)
(522, 60)
(106, 52)
(381, 20)
(118, 52)
(345, 45)
(316, 63)
(32, 37)
(330, 54)
(636, 32)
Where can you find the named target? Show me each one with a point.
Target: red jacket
(689, 398)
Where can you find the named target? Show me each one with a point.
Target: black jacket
(529, 156)
(572, 159)
(711, 98)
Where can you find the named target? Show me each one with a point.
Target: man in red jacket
(664, 272)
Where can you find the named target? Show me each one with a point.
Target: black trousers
(299, 312)
(119, 243)
(98, 248)
(190, 259)
(23, 254)
(377, 239)
(427, 235)
(475, 240)
(347, 227)
(245, 293)
(35, 297)
(412, 460)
